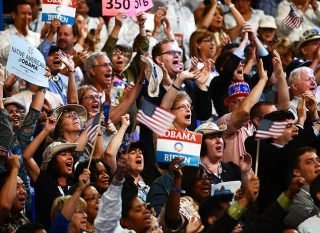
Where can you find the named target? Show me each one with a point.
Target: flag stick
(257, 157)
(95, 139)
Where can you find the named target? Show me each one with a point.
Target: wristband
(175, 87)
(231, 5)
(176, 190)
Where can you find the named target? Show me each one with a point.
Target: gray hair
(296, 74)
(91, 62)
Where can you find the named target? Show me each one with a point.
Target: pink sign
(129, 7)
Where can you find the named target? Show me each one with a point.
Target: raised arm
(31, 166)
(9, 189)
(110, 153)
(235, 31)
(241, 114)
(110, 44)
(125, 105)
(171, 215)
(71, 205)
(207, 19)
(283, 91)
(72, 94)
(109, 212)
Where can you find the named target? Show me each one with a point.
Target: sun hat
(14, 100)
(267, 21)
(54, 149)
(309, 35)
(237, 89)
(210, 128)
(57, 113)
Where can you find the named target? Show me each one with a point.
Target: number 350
(118, 4)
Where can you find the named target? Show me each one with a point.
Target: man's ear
(158, 59)
(296, 173)
(13, 15)
(211, 219)
(318, 196)
(92, 71)
(303, 51)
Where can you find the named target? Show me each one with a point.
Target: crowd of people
(220, 67)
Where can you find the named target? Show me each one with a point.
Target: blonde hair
(59, 203)
(83, 90)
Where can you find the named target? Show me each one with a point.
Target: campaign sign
(129, 7)
(179, 143)
(225, 188)
(64, 10)
(27, 62)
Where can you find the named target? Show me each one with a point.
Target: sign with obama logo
(179, 143)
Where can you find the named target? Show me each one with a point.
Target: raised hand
(66, 59)
(122, 168)
(252, 189)
(80, 57)
(125, 120)
(295, 186)
(119, 18)
(141, 17)
(84, 179)
(262, 73)
(14, 162)
(176, 165)
(277, 64)
(50, 124)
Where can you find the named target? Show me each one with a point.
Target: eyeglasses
(105, 65)
(207, 40)
(183, 106)
(82, 211)
(172, 53)
(92, 97)
(93, 198)
(71, 114)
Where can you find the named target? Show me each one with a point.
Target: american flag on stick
(92, 126)
(155, 118)
(270, 129)
(292, 20)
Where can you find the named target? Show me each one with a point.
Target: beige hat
(66, 108)
(14, 100)
(54, 149)
(209, 128)
(267, 21)
(308, 35)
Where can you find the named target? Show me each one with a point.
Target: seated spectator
(305, 163)
(68, 212)
(311, 225)
(13, 197)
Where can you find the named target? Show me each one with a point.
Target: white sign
(64, 10)
(27, 62)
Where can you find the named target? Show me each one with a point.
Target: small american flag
(292, 20)
(155, 118)
(270, 129)
(92, 126)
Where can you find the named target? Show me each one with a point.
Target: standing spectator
(13, 197)
(22, 17)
